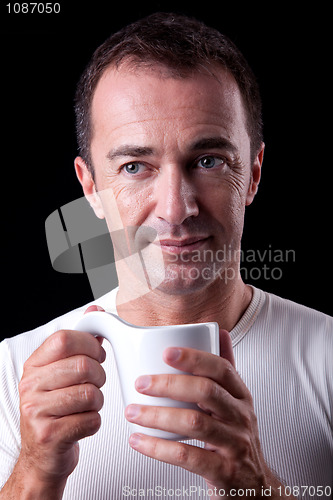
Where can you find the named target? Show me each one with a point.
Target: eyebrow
(214, 143)
(132, 150)
(129, 150)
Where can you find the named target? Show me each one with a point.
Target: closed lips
(185, 242)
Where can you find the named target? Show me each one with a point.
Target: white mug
(138, 351)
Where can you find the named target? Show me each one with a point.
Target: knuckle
(154, 448)
(87, 393)
(182, 455)
(247, 418)
(102, 377)
(28, 410)
(44, 434)
(246, 421)
(100, 400)
(248, 397)
(155, 416)
(24, 386)
(189, 458)
(83, 367)
(60, 342)
(208, 388)
(243, 418)
(85, 424)
(29, 383)
(227, 370)
(243, 446)
(254, 420)
(92, 396)
(26, 366)
(196, 361)
(94, 422)
(89, 370)
(195, 421)
(169, 383)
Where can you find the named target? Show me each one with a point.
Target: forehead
(144, 101)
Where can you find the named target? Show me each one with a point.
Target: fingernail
(102, 356)
(132, 411)
(134, 440)
(143, 382)
(173, 354)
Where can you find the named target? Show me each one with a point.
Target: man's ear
(255, 175)
(88, 185)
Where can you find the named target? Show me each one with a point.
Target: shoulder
(294, 316)
(299, 332)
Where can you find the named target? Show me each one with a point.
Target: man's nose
(175, 196)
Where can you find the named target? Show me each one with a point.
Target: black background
(42, 56)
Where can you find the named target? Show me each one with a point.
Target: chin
(182, 280)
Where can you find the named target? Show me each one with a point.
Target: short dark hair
(180, 44)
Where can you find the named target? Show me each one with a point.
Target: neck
(224, 304)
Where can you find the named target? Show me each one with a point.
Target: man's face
(175, 154)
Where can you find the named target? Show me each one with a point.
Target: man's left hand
(231, 458)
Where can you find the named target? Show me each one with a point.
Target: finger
(68, 429)
(203, 391)
(62, 402)
(79, 426)
(226, 350)
(75, 399)
(96, 308)
(66, 343)
(191, 423)
(203, 462)
(65, 373)
(207, 365)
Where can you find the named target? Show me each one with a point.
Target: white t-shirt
(284, 354)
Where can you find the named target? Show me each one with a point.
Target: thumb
(226, 350)
(94, 308)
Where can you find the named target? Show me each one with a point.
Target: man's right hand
(60, 399)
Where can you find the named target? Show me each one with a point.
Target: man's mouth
(177, 246)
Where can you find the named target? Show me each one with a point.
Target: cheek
(231, 186)
(225, 200)
(132, 203)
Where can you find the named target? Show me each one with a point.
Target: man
(169, 130)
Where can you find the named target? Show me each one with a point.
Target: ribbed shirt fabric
(284, 354)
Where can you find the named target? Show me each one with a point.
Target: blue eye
(209, 162)
(132, 168)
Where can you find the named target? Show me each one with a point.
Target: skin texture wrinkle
(151, 137)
